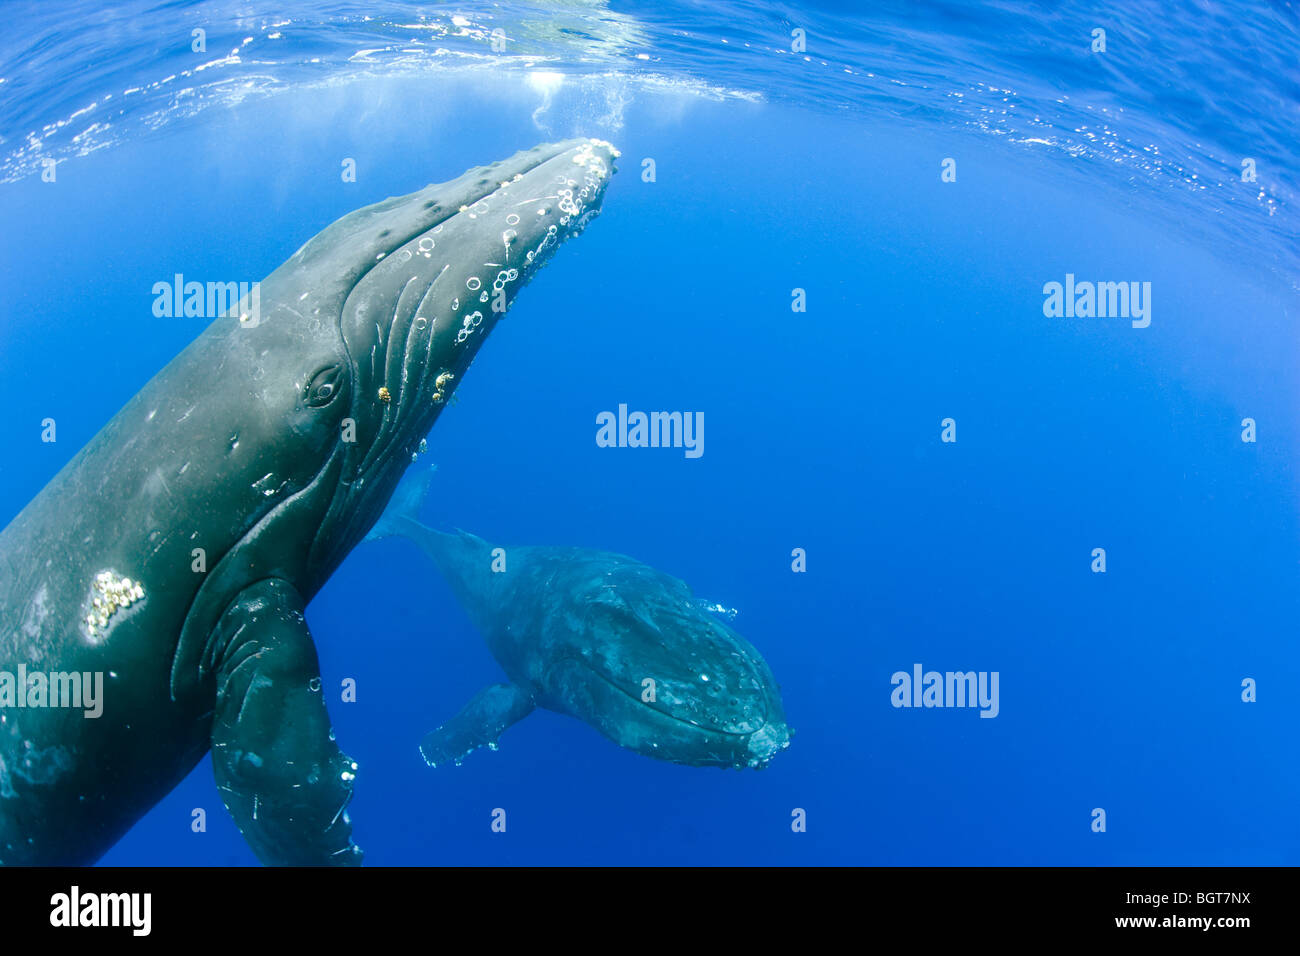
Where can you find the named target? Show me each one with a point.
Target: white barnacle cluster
(607, 145)
(108, 593)
(593, 162)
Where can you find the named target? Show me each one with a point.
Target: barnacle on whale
(108, 594)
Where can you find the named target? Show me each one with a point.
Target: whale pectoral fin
(479, 724)
(281, 775)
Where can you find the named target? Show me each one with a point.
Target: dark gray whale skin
(240, 447)
(581, 632)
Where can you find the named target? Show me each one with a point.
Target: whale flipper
(282, 777)
(479, 724)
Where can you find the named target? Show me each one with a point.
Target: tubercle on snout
(578, 203)
(576, 209)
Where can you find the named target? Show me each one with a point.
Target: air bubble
(512, 220)
(425, 244)
(473, 284)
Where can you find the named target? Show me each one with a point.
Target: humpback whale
(175, 553)
(603, 638)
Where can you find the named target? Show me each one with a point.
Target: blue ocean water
(776, 169)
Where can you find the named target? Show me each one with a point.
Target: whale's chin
(658, 734)
(766, 743)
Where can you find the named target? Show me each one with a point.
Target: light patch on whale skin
(109, 594)
(156, 485)
(37, 613)
(23, 760)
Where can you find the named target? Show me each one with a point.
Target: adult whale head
(175, 553)
(359, 340)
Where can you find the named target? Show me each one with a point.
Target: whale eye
(324, 386)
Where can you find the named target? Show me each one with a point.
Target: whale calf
(174, 555)
(603, 638)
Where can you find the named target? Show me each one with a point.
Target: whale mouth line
(636, 699)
